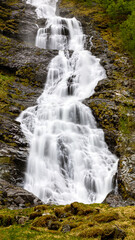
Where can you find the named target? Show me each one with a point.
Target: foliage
(122, 13)
(122, 17)
(128, 33)
(118, 9)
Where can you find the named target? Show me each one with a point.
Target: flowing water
(69, 159)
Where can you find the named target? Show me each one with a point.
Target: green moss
(106, 217)
(82, 209)
(5, 80)
(126, 121)
(4, 160)
(6, 220)
(62, 212)
(111, 222)
(43, 221)
(27, 72)
(8, 25)
(35, 214)
(41, 208)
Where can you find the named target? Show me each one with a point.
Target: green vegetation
(8, 26)
(74, 221)
(122, 20)
(5, 80)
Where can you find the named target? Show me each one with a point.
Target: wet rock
(16, 197)
(21, 21)
(114, 199)
(28, 25)
(112, 103)
(28, 65)
(126, 176)
(26, 62)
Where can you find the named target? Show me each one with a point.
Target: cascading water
(69, 159)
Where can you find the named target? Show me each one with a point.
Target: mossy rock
(41, 207)
(82, 209)
(53, 225)
(106, 232)
(62, 212)
(106, 217)
(8, 24)
(43, 221)
(35, 214)
(6, 220)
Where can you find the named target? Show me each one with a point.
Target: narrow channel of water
(69, 159)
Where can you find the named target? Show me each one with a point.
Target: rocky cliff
(23, 70)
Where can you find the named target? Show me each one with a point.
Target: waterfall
(68, 159)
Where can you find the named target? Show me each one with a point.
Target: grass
(84, 222)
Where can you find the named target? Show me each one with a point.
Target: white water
(69, 159)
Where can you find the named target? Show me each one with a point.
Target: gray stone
(22, 220)
(16, 197)
(19, 200)
(66, 228)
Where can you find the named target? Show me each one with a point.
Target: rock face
(23, 71)
(15, 197)
(113, 101)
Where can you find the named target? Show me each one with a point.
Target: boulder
(14, 197)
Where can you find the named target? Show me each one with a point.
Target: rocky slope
(14, 197)
(113, 102)
(23, 70)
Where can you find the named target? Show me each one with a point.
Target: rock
(28, 25)
(66, 228)
(26, 62)
(53, 225)
(16, 197)
(114, 199)
(112, 103)
(22, 220)
(35, 214)
(43, 221)
(28, 67)
(19, 200)
(41, 22)
(126, 176)
(114, 233)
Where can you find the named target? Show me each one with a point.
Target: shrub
(128, 33)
